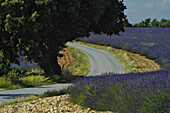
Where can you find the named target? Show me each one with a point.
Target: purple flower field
(154, 43)
(132, 92)
(124, 93)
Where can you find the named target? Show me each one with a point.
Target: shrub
(4, 82)
(30, 81)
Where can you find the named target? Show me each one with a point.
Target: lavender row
(154, 43)
(124, 93)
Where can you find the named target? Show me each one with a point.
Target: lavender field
(132, 92)
(124, 93)
(154, 43)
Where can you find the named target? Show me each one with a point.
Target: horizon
(140, 10)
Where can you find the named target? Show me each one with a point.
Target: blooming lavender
(124, 93)
(154, 43)
(24, 64)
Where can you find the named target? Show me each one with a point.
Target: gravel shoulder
(100, 62)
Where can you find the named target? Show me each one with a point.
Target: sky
(138, 10)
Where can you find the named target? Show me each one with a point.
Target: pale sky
(138, 10)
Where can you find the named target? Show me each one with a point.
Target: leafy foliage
(126, 23)
(38, 29)
(3, 68)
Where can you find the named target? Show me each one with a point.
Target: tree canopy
(39, 29)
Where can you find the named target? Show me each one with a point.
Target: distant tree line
(149, 23)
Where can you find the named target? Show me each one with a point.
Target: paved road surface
(100, 62)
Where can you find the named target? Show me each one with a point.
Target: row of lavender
(124, 93)
(153, 43)
(132, 92)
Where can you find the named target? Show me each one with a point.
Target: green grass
(4, 83)
(127, 63)
(54, 93)
(32, 80)
(80, 65)
(149, 44)
(14, 80)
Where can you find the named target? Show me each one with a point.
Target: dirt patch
(66, 60)
(144, 64)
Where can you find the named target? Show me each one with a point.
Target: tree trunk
(50, 65)
(54, 65)
(54, 70)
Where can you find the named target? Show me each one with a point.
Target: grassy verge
(16, 80)
(80, 65)
(127, 63)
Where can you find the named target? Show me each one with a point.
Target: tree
(147, 22)
(144, 23)
(126, 23)
(162, 22)
(141, 24)
(165, 23)
(155, 23)
(39, 29)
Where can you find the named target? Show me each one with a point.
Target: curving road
(100, 62)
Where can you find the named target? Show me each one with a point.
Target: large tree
(39, 29)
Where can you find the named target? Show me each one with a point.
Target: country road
(100, 62)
